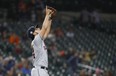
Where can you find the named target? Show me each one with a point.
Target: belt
(43, 67)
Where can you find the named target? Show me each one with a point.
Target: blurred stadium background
(82, 41)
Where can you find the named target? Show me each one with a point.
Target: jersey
(40, 57)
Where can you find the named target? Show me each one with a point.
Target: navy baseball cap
(30, 32)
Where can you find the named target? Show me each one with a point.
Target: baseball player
(37, 35)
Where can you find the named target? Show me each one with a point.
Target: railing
(89, 67)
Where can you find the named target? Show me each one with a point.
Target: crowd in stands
(33, 9)
(10, 49)
(23, 10)
(14, 63)
(62, 56)
(90, 17)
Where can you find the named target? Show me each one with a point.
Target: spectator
(11, 72)
(26, 70)
(88, 56)
(9, 62)
(62, 53)
(95, 19)
(19, 65)
(97, 72)
(72, 62)
(25, 67)
(69, 53)
(70, 33)
(10, 66)
(14, 39)
(84, 17)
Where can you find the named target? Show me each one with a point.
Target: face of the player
(37, 30)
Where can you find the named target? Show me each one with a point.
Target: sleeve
(38, 41)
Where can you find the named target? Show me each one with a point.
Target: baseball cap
(30, 32)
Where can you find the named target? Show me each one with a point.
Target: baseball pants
(38, 71)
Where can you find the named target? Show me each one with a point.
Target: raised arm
(47, 22)
(50, 23)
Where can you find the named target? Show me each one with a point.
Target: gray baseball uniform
(40, 57)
